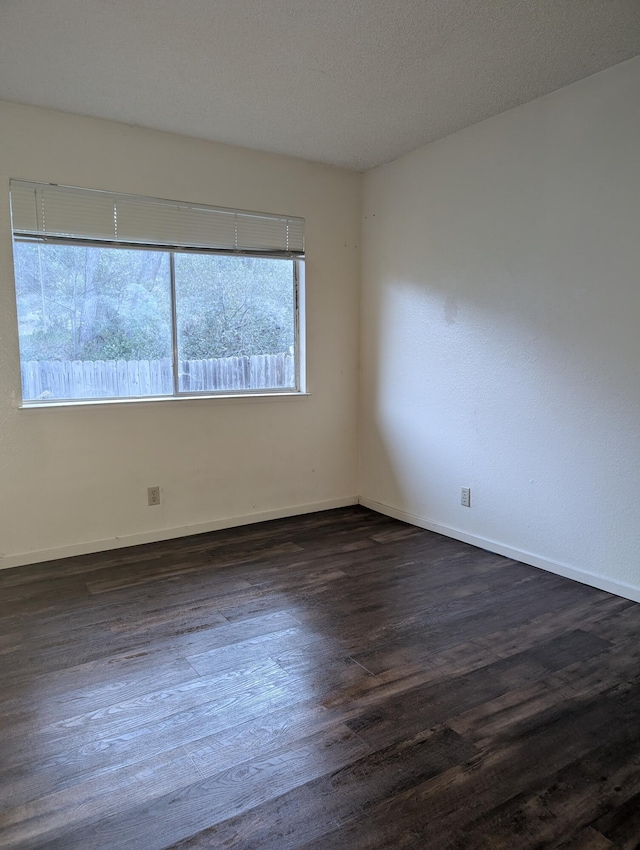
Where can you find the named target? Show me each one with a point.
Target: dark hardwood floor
(338, 680)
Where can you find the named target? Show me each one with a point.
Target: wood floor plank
(267, 734)
(220, 696)
(153, 573)
(565, 803)
(39, 822)
(84, 693)
(304, 813)
(621, 825)
(588, 839)
(263, 646)
(65, 653)
(526, 758)
(335, 680)
(229, 792)
(433, 703)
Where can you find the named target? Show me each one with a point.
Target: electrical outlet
(465, 497)
(153, 495)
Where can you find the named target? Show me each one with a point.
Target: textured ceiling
(350, 82)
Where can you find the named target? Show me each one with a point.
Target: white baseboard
(88, 548)
(627, 591)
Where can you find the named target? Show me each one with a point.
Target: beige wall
(500, 350)
(500, 328)
(75, 479)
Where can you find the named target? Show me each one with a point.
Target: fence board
(145, 377)
(111, 379)
(78, 379)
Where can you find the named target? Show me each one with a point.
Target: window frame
(299, 319)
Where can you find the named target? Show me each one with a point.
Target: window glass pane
(236, 323)
(93, 322)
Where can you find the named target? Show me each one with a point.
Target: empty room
(319, 424)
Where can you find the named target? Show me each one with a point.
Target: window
(126, 297)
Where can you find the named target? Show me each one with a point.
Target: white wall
(75, 479)
(501, 332)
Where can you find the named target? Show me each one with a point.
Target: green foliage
(82, 303)
(231, 306)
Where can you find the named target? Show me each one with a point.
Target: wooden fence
(63, 379)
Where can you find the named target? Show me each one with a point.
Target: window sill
(109, 402)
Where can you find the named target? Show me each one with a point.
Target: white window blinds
(46, 211)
